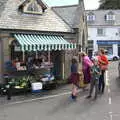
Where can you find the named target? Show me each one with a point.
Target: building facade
(74, 16)
(30, 26)
(104, 30)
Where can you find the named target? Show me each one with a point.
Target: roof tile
(11, 18)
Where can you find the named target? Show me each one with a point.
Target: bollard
(8, 87)
(9, 92)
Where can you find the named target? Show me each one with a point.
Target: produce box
(37, 87)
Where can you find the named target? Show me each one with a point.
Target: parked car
(110, 56)
(113, 57)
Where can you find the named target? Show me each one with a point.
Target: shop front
(49, 48)
(112, 46)
(34, 39)
(37, 58)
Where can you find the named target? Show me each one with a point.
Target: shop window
(119, 50)
(101, 32)
(108, 48)
(90, 44)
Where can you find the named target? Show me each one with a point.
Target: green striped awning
(35, 42)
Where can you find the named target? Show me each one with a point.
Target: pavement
(57, 105)
(44, 94)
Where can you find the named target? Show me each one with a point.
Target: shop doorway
(90, 52)
(56, 58)
(119, 50)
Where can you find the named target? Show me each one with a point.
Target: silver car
(112, 57)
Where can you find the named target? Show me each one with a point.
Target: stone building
(104, 30)
(74, 16)
(30, 25)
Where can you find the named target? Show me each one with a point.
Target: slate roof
(100, 17)
(43, 5)
(70, 14)
(2, 5)
(11, 18)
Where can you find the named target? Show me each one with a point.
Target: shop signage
(107, 42)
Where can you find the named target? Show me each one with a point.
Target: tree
(109, 4)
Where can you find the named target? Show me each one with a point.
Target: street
(60, 107)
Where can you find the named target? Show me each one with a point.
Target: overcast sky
(89, 4)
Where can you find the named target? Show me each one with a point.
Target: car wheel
(115, 58)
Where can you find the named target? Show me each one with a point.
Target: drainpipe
(79, 1)
(1, 61)
(78, 39)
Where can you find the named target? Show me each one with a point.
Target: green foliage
(109, 4)
(20, 82)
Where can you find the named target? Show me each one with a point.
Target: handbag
(104, 67)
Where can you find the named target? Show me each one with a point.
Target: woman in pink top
(86, 64)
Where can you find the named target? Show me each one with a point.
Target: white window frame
(110, 17)
(90, 18)
(39, 11)
(102, 33)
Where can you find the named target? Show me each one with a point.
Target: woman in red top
(103, 63)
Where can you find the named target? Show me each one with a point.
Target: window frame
(40, 10)
(91, 17)
(103, 32)
(110, 16)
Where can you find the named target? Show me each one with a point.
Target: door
(119, 50)
(57, 64)
(90, 51)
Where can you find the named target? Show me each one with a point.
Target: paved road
(62, 108)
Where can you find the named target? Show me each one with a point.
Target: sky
(89, 4)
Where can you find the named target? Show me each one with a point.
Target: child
(95, 74)
(74, 78)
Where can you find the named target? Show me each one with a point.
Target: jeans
(94, 83)
(102, 82)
